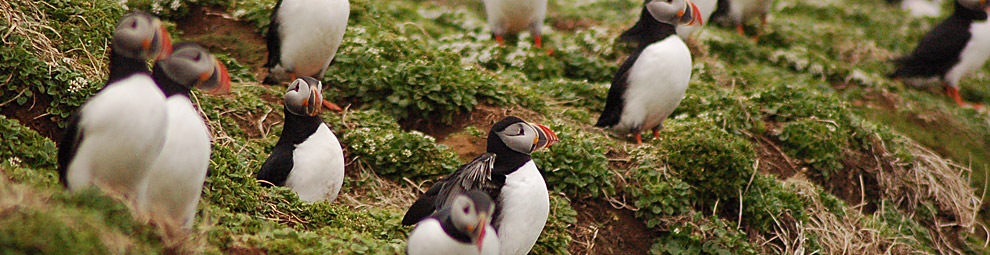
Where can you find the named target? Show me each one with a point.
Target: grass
(797, 143)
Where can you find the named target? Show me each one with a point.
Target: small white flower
(15, 161)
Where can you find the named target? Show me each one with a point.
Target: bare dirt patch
(219, 32)
(34, 115)
(602, 229)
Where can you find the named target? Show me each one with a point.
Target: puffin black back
(940, 49)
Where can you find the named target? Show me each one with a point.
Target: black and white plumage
(509, 17)
(522, 202)
(956, 47)
(652, 81)
(303, 38)
(307, 157)
(461, 227)
(114, 137)
(176, 176)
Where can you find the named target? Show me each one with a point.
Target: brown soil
(602, 229)
(772, 159)
(34, 115)
(856, 182)
(466, 146)
(217, 31)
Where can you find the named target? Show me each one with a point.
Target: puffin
(114, 137)
(307, 157)
(507, 173)
(460, 227)
(955, 48)
(177, 174)
(303, 37)
(739, 11)
(651, 82)
(509, 17)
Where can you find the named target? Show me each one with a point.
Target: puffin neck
(506, 159)
(298, 128)
(122, 66)
(447, 224)
(648, 30)
(168, 86)
(968, 14)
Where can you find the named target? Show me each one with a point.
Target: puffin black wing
(273, 42)
(476, 174)
(278, 165)
(67, 147)
(937, 52)
(615, 102)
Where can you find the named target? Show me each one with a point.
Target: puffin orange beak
(166, 43)
(545, 138)
(481, 236)
(317, 101)
(224, 86)
(695, 15)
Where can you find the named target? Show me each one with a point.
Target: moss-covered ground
(796, 143)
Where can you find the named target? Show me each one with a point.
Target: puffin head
(675, 12)
(305, 97)
(142, 36)
(193, 66)
(470, 214)
(520, 136)
(977, 5)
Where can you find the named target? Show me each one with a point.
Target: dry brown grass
(32, 25)
(851, 233)
(929, 177)
(908, 183)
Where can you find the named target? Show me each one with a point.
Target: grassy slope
(808, 104)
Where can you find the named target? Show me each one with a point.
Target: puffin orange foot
(331, 106)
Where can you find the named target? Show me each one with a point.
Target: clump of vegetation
(577, 164)
(398, 153)
(53, 53)
(697, 234)
(715, 162)
(555, 238)
(23, 145)
(377, 63)
(819, 143)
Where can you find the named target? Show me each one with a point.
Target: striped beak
(545, 138)
(164, 39)
(480, 241)
(217, 81)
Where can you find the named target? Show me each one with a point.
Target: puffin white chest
(123, 129)
(176, 177)
(318, 167)
(428, 238)
(974, 55)
(525, 205)
(311, 32)
(512, 16)
(656, 84)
